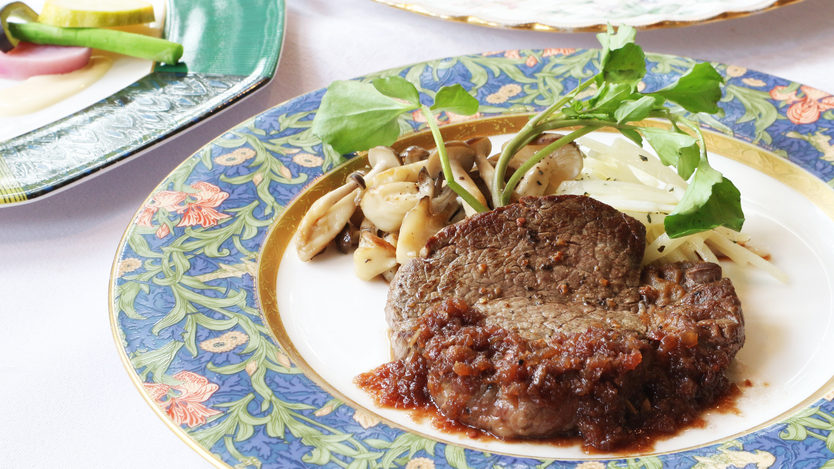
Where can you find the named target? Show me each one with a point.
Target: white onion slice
(28, 60)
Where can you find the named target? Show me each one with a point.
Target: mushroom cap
(414, 154)
(562, 164)
(456, 150)
(462, 153)
(481, 145)
(383, 156)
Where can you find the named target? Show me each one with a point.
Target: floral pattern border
(184, 301)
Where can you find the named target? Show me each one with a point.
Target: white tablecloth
(66, 400)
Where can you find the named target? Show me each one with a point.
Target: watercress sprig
(710, 200)
(356, 116)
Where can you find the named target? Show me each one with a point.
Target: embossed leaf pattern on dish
(42, 160)
(184, 288)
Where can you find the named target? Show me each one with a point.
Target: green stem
(702, 143)
(562, 123)
(527, 134)
(446, 165)
(135, 45)
(522, 170)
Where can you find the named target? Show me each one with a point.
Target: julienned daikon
(635, 182)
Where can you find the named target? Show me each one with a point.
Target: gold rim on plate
(536, 26)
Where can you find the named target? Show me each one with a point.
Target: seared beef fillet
(532, 320)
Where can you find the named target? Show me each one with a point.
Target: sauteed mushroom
(328, 215)
(380, 159)
(373, 256)
(422, 221)
(562, 165)
(483, 147)
(405, 173)
(414, 154)
(461, 160)
(326, 218)
(386, 205)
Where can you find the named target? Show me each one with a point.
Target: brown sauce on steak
(562, 334)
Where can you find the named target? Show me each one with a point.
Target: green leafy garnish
(455, 99)
(348, 126)
(698, 90)
(711, 201)
(356, 116)
(398, 88)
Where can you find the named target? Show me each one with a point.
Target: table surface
(66, 399)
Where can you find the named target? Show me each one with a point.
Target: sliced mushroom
(447, 199)
(461, 159)
(367, 225)
(482, 147)
(562, 165)
(325, 219)
(373, 256)
(391, 238)
(421, 222)
(386, 205)
(389, 274)
(405, 173)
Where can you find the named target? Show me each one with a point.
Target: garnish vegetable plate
(216, 70)
(585, 15)
(196, 265)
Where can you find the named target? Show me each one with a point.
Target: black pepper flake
(644, 158)
(661, 248)
(649, 217)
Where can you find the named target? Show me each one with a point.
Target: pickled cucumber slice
(95, 13)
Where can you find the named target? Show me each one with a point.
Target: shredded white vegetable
(636, 182)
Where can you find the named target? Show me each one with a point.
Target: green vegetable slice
(135, 45)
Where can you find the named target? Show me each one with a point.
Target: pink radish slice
(27, 60)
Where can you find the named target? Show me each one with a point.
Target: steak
(535, 320)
